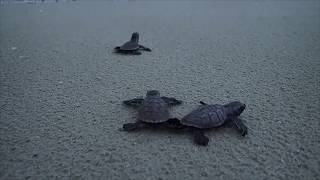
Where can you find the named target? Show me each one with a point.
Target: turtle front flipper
(144, 48)
(117, 49)
(240, 126)
(133, 126)
(200, 138)
(171, 101)
(136, 102)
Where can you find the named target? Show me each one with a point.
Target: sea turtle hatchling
(208, 116)
(132, 46)
(152, 110)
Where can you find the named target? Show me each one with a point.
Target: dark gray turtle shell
(206, 116)
(153, 110)
(129, 46)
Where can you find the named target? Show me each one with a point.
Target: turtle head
(235, 108)
(153, 93)
(135, 37)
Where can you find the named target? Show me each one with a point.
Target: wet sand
(61, 89)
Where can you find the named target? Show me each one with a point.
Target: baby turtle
(132, 46)
(211, 116)
(152, 110)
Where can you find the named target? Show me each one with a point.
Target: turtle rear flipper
(171, 101)
(200, 138)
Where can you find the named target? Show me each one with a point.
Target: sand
(61, 89)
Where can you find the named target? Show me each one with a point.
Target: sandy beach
(61, 88)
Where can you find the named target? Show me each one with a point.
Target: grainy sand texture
(61, 89)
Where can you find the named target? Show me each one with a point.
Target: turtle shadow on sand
(131, 47)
